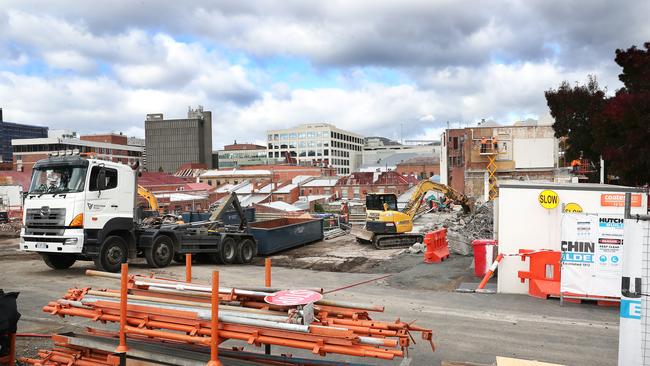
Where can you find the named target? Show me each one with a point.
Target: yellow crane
(387, 227)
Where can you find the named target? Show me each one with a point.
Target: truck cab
(80, 208)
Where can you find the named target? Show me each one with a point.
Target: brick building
(358, 184)
(28, 151)
(421, 167)
(524, 150)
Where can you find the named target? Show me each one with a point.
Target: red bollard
(437, 247)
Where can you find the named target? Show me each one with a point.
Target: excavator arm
(425, 186)
(149, 197)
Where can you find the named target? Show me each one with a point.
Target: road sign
(548, 199)
(293, 297)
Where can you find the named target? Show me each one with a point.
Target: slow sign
(293, 297)
(548, 199)
(572, 207)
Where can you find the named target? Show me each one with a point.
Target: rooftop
(282, 206)
(152, 179)
(69, 141)
(321, 182)
(285, 189)
(237, 146)
(234, 172)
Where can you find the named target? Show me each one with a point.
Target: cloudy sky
(373, 67)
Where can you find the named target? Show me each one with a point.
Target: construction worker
(344, 213)
(484, 144)
(575, 165)
(495, 144)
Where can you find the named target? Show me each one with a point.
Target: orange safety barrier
(437, 246)
(544, 272)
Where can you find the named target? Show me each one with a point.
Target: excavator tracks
(396, 241)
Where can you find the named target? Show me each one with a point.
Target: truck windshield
(376, 202)
(58, 179)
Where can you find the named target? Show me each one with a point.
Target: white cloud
(123, 60)
(69, 60)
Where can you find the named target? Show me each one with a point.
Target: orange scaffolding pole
(122, 347)
(188, 267)
(214, 322)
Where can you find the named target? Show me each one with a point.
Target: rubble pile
(462, 228)
(11, 228)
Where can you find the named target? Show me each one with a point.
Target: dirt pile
(461, 228)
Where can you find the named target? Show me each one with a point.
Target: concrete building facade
(523, 151)
(13, 131)
(378, 149)
(236, 155)
(171, 143)
(319, 144)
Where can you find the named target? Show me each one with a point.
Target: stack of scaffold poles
(72, 355)
(182, 312)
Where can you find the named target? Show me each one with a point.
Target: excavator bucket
(362, 234)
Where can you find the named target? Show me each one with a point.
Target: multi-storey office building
(320, 144)
(171, 143)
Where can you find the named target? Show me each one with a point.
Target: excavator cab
(381, 202)
(382, 215)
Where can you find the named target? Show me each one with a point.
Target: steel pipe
(326, 348)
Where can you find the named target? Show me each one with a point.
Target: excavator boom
(149, 197)
(425, 186)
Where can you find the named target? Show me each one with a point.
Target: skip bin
(280, 234)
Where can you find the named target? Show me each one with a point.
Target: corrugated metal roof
(321, 182)
(249, 200)
(280, 205)
(285, 189)
(238, 172)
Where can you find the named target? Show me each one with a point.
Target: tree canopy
(617, 127)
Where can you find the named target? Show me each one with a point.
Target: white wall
(11, 196)
(534, 153)
(524, 224)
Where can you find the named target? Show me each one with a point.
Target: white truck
(81, 208)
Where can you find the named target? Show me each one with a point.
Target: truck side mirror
(101, 179)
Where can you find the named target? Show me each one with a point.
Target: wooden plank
(507, 361)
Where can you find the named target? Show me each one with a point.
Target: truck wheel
(245, 251)
(180, 258)
(112, 254)
(58, 261)
(227, 252)
(161, 252)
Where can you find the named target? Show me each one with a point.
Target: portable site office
(529, 216)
